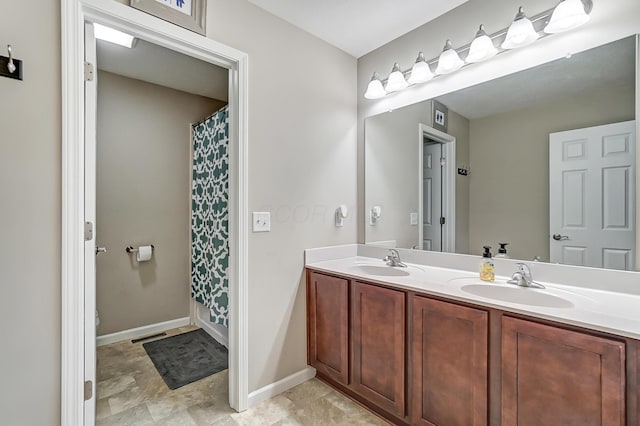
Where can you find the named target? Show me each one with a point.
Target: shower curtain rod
(203, 120)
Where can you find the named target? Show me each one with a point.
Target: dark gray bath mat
(187, 357)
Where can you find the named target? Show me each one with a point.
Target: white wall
(610, 20)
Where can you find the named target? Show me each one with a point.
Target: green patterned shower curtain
(210, 215)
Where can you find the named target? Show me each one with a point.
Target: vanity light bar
(543, 25)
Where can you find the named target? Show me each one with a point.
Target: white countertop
(607, 311)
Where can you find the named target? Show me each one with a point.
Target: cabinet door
(328, 322)
(378, 344)
(449, 364)
(552, 376)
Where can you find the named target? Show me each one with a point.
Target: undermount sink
(520, 295)
(385, 271)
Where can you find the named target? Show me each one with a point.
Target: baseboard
(135, 333)
(280, 386)
(212, 331)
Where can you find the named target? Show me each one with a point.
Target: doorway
(78, 322)
(437, 190)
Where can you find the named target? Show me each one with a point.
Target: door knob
(101, 250)
(559, 237)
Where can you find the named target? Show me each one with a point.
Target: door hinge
(88, 231)
(443, 161)
(88, 390)
(442, 220)
(88, 71)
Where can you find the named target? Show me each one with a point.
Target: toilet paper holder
(131, 249)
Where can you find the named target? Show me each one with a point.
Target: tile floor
(131, 392)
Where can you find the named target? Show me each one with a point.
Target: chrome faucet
(523, 278)
(393, 259)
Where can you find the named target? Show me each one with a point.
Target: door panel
(592, 196)
(432, 196)
(378, 345)
(449, 364)
(327, 323)
(552, 376)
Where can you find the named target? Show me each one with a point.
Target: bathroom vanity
(424, 345)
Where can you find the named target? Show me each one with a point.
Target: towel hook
(10, 66)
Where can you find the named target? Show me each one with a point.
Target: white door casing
(448, 145)
(74, 291)
(432, 196)
(90, 111)
(592, 196)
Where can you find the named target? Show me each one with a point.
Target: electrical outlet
(261, 221)
(413, 218)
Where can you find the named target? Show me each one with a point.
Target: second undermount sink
(380, 270)
(519, 295)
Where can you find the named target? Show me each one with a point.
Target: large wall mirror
(543, 159)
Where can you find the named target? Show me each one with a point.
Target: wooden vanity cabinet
(328, 325)
(378, 346)
(553, 376)
(449, 364)
(424, 361)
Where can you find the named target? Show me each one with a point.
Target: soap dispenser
(486, 266)
(502, 251)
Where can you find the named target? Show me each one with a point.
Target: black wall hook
(10, 67)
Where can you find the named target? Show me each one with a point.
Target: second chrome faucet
(393, 259)
(523, 278)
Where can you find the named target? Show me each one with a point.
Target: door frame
(448, 185)
(117, 15)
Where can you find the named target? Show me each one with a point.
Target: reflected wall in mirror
(543, 153)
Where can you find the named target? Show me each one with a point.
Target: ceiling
(357, 26)
(590, 71)
(164, 67)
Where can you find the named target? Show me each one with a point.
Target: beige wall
(458, 127)
(302, 159)
(143, 181)
(30, 216)
(392, 173)
(509, 198)
(302, 145)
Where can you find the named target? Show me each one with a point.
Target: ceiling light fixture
(396, 80)
(421, 71)
(521, 32)
(449, 60)
(482, 47)
(375, 89)
(113, 36)
(567, 15)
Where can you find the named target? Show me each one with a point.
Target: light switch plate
(261, 221)
(413, 218)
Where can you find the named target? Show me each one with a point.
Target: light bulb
(396, 80)
(481, 47)
(113, 36)
(449, 60)
(375, 89)
(520, 33)
(567, 15)
(421, 71)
